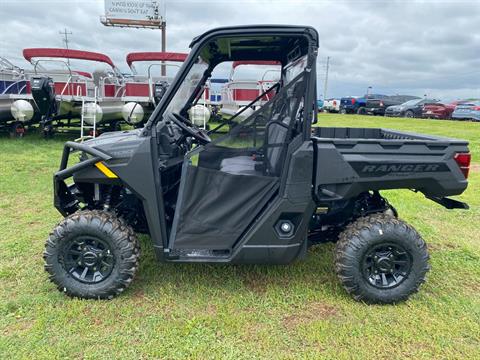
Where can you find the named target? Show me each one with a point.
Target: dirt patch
(18, 326)
(210, 310)
(312, 312)
(441, 247)
(256, 282)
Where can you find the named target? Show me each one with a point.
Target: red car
(439, 110)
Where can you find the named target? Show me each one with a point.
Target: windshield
(187, 87)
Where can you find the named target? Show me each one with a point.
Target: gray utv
(261, 190)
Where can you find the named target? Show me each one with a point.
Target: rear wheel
(343, 111)
(380, 259)
(409, 114)
(92, 255)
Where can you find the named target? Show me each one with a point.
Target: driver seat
(276, 138)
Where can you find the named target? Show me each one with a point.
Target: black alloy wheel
(92, 254)
(87, 259)
(386, 265)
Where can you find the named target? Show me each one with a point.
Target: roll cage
(283, 44)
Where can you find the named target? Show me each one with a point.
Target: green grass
(236, 312)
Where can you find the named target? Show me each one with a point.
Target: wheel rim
(386, 265)
(88, 259)
(409, 114)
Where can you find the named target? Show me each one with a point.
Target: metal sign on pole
(132, 13)
(143, 14)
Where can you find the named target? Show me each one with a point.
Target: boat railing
(6, 65)
(11, 86)
(119, 87)
(150, 79)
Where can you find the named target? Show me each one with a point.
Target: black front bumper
(393, 113)
(375, 111)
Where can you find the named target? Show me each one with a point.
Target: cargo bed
(350, 161)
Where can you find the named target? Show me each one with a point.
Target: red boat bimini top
(255, 62)
(155, 56)
(28, 54)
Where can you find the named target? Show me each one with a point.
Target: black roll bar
(64, 173)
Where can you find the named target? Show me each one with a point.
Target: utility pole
(325, 86)
(65, 34)
(164, 44)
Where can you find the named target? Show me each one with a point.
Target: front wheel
(92, 255)
(380, 259)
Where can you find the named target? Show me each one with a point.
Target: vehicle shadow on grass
(315, 272)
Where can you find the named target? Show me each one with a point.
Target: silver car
(467, 111)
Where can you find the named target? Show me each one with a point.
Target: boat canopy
(29, 54)
(255, 62)
(155, 56)
(83, 73)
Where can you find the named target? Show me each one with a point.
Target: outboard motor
(159, 90)
(43, 92)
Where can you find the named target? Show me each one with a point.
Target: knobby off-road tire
(92, 255)
(380, 259)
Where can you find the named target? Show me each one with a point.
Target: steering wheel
(191, 129)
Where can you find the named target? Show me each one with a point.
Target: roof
(155, 56)
(259, 30)
(255, 62)
(29, 54)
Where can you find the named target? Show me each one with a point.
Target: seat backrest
(279, 128)
(277, 132)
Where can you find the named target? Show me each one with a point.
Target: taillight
(463, 162)
(353, 101)
(476, 108)
(381, 103)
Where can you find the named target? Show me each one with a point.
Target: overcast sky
(414, 47)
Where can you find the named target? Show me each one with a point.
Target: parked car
(331, 105)
(440, 110)
(467, 111)
(376, 104)
(410, 109)
(352, 104)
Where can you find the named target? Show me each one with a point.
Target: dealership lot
(211, 311)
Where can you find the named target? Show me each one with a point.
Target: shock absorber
(107, 198)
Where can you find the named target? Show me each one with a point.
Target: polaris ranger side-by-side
(258, 191)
